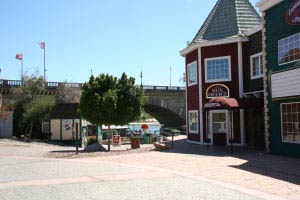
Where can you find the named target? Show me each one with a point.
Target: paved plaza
(186, 172)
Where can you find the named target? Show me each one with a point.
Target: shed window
(192, 73)
(256, 63)
(218, 69)
(290, 122)
(193, 121)
(289, 49)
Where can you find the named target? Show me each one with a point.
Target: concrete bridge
(166, 104)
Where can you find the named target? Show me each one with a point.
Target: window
(219, 122)
(289, 49)
(192, 73)
(218, 69)
(256, 64)
(290, 122)
(193, 121)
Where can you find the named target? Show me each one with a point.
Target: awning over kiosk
(218, 103)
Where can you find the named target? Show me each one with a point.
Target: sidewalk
(251, 169)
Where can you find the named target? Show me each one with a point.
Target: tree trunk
(30, 132)
(108, 137)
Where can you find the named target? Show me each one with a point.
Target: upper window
(218, 69)
(192, 73)
(289, 49)
(256, 63)
(193, 121)
(290, 122)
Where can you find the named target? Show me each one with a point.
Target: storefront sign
(116, 140)
(212, 105)
(292, 16)
(217, 90)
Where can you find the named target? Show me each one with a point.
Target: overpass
(166, 104)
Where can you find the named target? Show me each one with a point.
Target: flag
(42, 45)
(19, 56)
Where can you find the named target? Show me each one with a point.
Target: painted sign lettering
(217, 90)
(292, 16)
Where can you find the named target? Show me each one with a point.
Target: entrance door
(219, 126)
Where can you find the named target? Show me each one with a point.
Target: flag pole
(170, 75)
(22, 74)
(45, 62)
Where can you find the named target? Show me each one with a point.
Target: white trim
(254, 92)
(218, 80)
(200, 95)
(253, 30)
(264, 5)
(282, 126)
(192, 142)
(212, 43)
(188, 74)
(278, 51)
(241, 91)
(260, 65)
(193, 131)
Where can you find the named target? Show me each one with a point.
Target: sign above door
(217, 90)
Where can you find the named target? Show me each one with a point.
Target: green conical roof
(228, 18)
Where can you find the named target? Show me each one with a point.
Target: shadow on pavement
(258, 161)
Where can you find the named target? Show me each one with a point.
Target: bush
(92, 141)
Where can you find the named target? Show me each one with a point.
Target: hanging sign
(292, 15)
(217, 90)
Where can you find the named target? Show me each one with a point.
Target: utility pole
(141, 75)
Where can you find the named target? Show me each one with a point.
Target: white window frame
(218, 80)
(260, 65)
(279, 64)
(281, 121)
(188, 73)
(197, 113)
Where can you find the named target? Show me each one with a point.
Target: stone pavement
(186, 172)
(247, 168)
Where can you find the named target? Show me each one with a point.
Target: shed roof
(228, 18)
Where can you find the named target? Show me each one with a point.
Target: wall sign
(217, 90)
(292, 15)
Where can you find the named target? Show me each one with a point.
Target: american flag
(19, 56)
(42, 45)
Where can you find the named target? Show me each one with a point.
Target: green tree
(111, 101)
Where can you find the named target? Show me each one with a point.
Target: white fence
(6, 126)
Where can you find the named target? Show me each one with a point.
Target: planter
(135, 143)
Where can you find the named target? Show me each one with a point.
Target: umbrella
(144, 126)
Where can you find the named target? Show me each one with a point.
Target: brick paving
(248, 168)
(247, 171)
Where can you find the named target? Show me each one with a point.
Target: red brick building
(224, 87)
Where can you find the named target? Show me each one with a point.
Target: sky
(99, 36)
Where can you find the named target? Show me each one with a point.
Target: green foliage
(31, 109)
(108, 100)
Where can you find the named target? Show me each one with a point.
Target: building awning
(218, 103)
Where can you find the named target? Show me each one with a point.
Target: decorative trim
(218, 80)
(264, 5)
(251, 67)
(212, 43)
(266, 85)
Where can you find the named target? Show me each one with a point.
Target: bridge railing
(54, 85)
(168, 88)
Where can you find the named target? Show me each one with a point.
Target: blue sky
(107, 36)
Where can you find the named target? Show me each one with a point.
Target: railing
(54, 85)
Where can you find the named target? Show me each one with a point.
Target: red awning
(232, 103)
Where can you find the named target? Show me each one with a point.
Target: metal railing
(54, 85)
